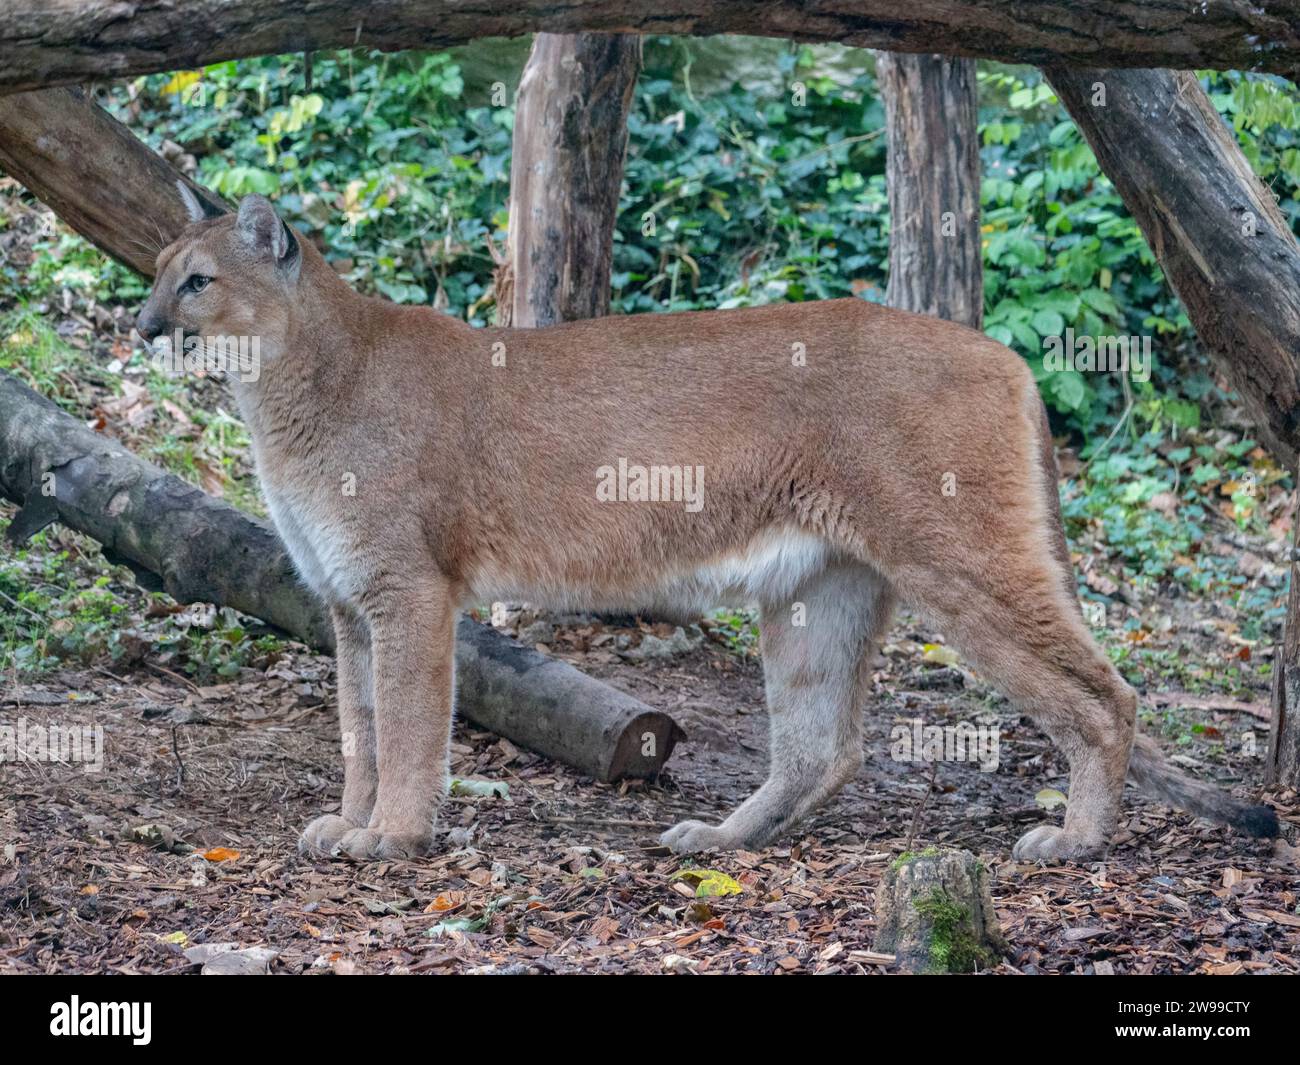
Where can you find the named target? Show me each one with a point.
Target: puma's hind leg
(1009, 614)
(816, 655)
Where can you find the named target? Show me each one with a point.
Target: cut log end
(934, 912)
(643, 747)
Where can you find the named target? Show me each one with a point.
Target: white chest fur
(317, 546)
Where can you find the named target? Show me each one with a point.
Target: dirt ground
(186, 836)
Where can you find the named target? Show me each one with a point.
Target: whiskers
(150, 249)
(153, 248)
(219, 356)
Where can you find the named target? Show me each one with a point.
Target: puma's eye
(195, 283)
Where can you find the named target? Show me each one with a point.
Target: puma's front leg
(412, 633)
(357, 730)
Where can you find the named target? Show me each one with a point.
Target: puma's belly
(768, 569)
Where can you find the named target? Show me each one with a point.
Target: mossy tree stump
(934, 912)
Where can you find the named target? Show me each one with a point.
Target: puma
(844, 455)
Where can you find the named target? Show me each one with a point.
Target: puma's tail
(1148, 769)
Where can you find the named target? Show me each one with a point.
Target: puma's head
(226, 275)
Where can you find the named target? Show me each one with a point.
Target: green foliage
(61, 602)
(1061, 253)
(1265, 113)
(1200, 485)
(954, 947)
(736, 198)
(380, 159)
(737, 630)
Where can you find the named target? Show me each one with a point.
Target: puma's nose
(150, 326)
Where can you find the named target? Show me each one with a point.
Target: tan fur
(824, 488)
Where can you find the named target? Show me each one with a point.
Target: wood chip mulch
(186, 836)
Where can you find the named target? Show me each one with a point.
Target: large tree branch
(52, 42)
(1216, 230)
(94, 173)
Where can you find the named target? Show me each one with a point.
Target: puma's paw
(363, 844)
(689, 837)
(322, 835)
(1048, 843)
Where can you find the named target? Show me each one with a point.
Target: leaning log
(933, 178)
(44, 44)
(1216, 230)
(198, 549)
(94, 173)
(566, 171)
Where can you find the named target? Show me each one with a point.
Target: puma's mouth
(179, 351)
(222, 356)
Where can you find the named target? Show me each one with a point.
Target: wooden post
(933, 175)
(566, 173)
(1283, 766)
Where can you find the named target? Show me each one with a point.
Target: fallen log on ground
(1216, 230)
(198, 549)
(45, 44)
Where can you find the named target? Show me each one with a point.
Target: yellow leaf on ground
(709, 882)
(1050, 799)
(940, 655)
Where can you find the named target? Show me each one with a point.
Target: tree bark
(44, 43)
(566, 172)
(1216, 230)
(1284, 737)
(198, 549)
(933, 176)
(94, 173)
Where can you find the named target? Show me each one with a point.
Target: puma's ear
(260, 228)
(198, 208)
